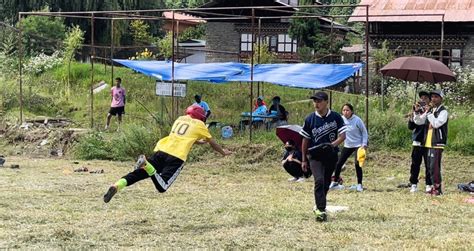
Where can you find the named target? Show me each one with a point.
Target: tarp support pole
(367, 67)
(172, 68)
(20, 63)
(112, 52)
(92, 72)
(251, 74)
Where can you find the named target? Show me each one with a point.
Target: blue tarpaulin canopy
(313, 76)
(212, 72)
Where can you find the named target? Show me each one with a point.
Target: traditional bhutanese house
(418, 32)
(234, 36)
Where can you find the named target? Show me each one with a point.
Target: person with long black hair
(356, 137)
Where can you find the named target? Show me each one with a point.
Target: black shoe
(110, 193)
(321, 216)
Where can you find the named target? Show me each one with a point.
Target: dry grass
(223, 203)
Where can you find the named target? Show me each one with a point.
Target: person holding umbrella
(435, 119)
(322, 132)
(418, 152)
(292, 163)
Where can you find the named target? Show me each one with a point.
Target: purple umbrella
(288, 132)
(418, 69)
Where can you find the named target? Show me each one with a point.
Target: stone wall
(222, 36)
(468, 52)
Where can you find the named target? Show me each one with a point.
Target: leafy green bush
(131, 141)
(93, 146)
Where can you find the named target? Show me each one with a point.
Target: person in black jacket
(435, 119)
(291, 162)
(418, 152)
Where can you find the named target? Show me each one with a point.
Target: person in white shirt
(435, 118)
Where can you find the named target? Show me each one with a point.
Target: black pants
(167, 170)
(434, 162)
(345, 154)
(418, 154)
(322, 170)
(294, 169)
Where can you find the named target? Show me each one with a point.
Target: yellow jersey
(184, 133)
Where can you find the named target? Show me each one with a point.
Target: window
(245, 42)
(286, 44)
(456, 57)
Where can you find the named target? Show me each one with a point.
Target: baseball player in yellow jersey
(170, 153)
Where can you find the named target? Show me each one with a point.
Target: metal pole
(367, 67)
(258, 51)
(442, 39)
(177, 58)
(112, 53)
(20, 62)
(251, 73)
(383, 92)
(332, 40)
(330, 99)
(172, 69)
(92, 72)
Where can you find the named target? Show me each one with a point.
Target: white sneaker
(428, 188)
(293, 179)
(333, 185)
(338, 187)
(413, 188)
(302, 179)
(357, 188)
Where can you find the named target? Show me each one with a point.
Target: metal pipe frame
(93, 15)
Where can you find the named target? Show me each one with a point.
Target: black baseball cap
(197, 96)
(320, 96)
(423, 93)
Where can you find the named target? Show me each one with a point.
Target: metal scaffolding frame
(153, 15)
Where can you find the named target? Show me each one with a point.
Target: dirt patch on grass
(39, 140)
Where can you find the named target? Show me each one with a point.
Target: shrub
(130, 142)
(42, 63)
(92, 146)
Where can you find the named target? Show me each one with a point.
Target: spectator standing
(418, 153)
(117, 107)
(356, 137)
(435, 119)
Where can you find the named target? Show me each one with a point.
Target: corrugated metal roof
(453, 10)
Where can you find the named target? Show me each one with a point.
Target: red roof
(183, 17)
(453, 10)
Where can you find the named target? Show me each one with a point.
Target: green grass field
(234, 202)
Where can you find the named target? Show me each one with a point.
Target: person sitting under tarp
(280, 113)
(257, 120)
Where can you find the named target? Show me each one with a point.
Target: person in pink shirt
(117, 107)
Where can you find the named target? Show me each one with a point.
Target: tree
(140, 33)
(42, 34)
(308, 33)
(72, 43)
(197, 32)
(165, 46)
